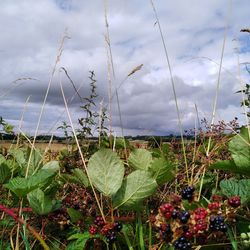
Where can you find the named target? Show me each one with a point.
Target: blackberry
(234, 201)
(217, 224)
(93, 229)
(117, 226)
(182, 244)
(175, 214)
(111, 237)
(187, 193)
(99, 221)
(184, 216)
(166, 232)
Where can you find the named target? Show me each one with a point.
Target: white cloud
(193, 31)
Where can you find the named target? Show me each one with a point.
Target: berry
(175, 214)
(166, 232)
(166, 210)
(184, 216)
(188, 235)
(187, 193)
(213, 206)
(117, 226)
(182, 244)
(217, 224)
(99, 221)
(200, 213)
(93, 229)
(234, 201)
(111, 237)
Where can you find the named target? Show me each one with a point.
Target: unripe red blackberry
(234, 201)
(99, 221)
(93, 229)
(214, 206)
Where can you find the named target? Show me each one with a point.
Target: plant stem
(21, 221)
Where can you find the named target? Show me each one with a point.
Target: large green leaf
(106, 171)
(81, 176)
(236, 187)
(18, 155)
(22, 186)
(239, 147)
(39, 202)
(5, 172)
(135, 188)
(52, 165)
(163, 170)
(140, 159)
(35, 161)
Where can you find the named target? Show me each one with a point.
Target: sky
(193, 32)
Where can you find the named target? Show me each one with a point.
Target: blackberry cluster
(234, 201)
(166, 232)
(217, 224)
(187, 193)
(184, 216)
(182, 244)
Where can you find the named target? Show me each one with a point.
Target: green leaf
(135, 188)
(40, 203)
(106, 171)
(52, 165)
(81, 176)
(81, 240)
(140, 159)
(236, 187)
(226, 165)
(19, 156)
(162, 170)
(35, 161)
(5, 172)
(239, 147)
(74, 214)
(22, 186)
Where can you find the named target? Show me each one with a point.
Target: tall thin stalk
(173, 87)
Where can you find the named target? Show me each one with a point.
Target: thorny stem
(22, 222)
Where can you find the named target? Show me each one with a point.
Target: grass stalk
(173, 87)
(80, 151)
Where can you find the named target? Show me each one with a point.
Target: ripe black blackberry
(182, 244)
(187, 193)
(117, 226)
(175, 214)
(184, 216)
(111, 237)
(217, 224)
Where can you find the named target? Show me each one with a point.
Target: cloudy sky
(193, 31)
